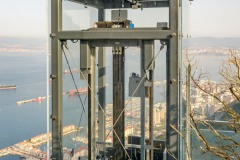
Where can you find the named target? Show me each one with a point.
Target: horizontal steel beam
(134, 34)
(91, 3)
(115, 43)
(145, 4)
(111, 4)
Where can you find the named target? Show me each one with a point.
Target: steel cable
(95, 97)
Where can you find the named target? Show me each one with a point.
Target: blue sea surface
(28, 72)
(11, 157)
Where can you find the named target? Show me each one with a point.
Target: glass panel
(209, 44)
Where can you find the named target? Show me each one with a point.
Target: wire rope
(112, 129)
(83, 104)
(153, 59)
(94, 97)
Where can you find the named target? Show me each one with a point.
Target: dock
(41, 99)
(29, 148)
(38, 100)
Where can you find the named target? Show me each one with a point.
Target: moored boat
(80, 91)
(5, 87)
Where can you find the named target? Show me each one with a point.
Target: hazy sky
(213, 18)
(23, 18)
(218, 18)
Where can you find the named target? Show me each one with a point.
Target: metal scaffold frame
(105, 38)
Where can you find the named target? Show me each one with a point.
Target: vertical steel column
(92, 107)
(151, 79)
(149, 65)
(101, 88)
(142, 88)
(181, 125)
(101, 95)
(172, 58)
(56, 60)
(118, 102)
(188, 111)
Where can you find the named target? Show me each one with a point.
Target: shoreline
(29, 148)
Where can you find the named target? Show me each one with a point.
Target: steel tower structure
(117, 38)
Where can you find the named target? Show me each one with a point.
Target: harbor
(35, 148)
(29, 149)
(73, 92)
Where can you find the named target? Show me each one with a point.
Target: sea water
(28, 72)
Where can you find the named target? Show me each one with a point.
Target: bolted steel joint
(173, 81)
(53, 117)
(52, 158)
(173, 35)
(52, 76)
(64, 43)
(52, 35)
(163, 42)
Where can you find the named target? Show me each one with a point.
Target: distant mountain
(233, 43)
(12, 44)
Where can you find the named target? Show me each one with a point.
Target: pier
(38, 99)
(29, 148)
(79, 91)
